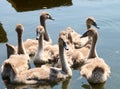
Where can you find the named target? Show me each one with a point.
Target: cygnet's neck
(93, 53)
(40, 43)
(64, 62)
(42, 21)
(21, 49)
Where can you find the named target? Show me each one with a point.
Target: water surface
(73, 14)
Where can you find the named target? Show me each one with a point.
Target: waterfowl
(95, 70)
(77, 55)
(82, 52)
(73, 55)
(78, 43)
(42, 56)
(43, 17)
(45, 53)
(31, 44)
(19, 61)
(44, 74)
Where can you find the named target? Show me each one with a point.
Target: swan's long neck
(64, 62)
(93, 52)
(88, 27)
(42, 21)
(40, 43)
(21, 49)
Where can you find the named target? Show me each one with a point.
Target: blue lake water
(107, 14)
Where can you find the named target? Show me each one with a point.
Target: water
(73, 14)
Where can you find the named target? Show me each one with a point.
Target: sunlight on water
(73, 14)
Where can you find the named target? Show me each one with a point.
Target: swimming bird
(75, 37)
(74, 56)
(44, 74)
(77, 56)
(95, 70)
(82, 52)
(31, 44)
(43, 17)
(43, 54)
(19, 61)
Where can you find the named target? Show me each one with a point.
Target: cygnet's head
(39, 30)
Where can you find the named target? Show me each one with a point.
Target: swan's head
(69, 30)
(39, 30)
(91, 32)
(46, 15)
(62, 43)
(19, 28)
(91, 21)
(64, 35)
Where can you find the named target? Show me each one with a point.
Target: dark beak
(37, 36)
(50, 17)
(84, 35)
(94, 24)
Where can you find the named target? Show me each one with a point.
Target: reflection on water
(28, 5)
(3, 35)
(10, 86)
(94, 86)
(65, 85)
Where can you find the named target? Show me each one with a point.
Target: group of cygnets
(72, 51)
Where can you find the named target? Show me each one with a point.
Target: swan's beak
(84, 35)
(50, 17)
(37, 36)
(94, 24)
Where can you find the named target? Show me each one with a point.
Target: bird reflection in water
(94, 86)
(65, 85)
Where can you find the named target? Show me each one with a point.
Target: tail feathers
(86, 72)
(7, 68)
(98, 69)
(10, 50)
